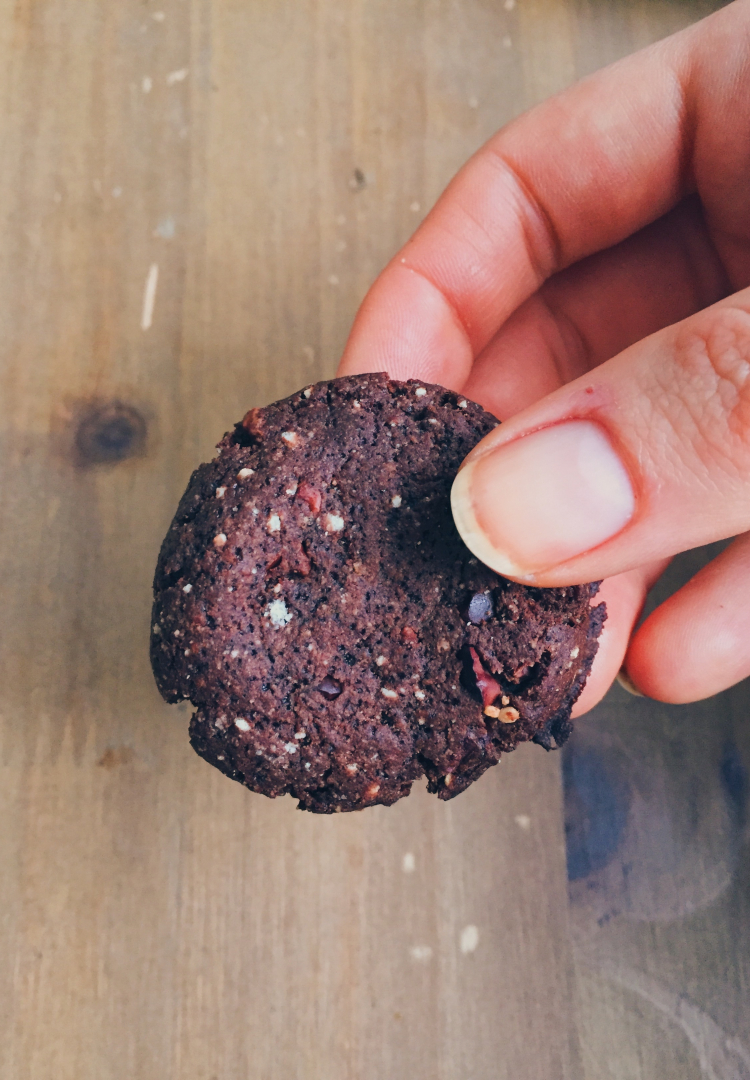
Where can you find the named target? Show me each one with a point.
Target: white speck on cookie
(244, 473)
(278, 614)
(420, 392)
(274, 523)
(396, 501)
(219, 541)
(241, 723)
(420, 695)
(463, 404)
(290, 748)
(333, 523)
(220, 492)
(187, 588)
(574, 653)
(291, 438)
(390, 694)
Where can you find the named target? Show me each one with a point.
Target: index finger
(575, 175)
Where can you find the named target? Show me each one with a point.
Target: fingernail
(534, 503)
(627, 683)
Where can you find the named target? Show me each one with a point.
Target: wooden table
(195, 196)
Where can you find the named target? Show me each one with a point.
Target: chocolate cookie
(315, 602)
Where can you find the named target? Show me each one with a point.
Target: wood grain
(157, 920)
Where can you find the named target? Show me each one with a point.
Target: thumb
(645, 456)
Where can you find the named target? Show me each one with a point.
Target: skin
(600, 246)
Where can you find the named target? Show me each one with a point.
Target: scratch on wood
(149, 296)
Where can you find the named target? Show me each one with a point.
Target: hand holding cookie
(586, 278)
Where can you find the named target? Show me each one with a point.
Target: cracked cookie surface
(315, 602)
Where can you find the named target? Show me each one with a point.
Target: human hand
(585, 278)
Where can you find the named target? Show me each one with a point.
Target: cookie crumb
(468, 939)
(421, 953)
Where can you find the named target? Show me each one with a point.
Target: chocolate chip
(330, 688)
(479, 608)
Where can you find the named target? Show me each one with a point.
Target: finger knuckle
(713, 353)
